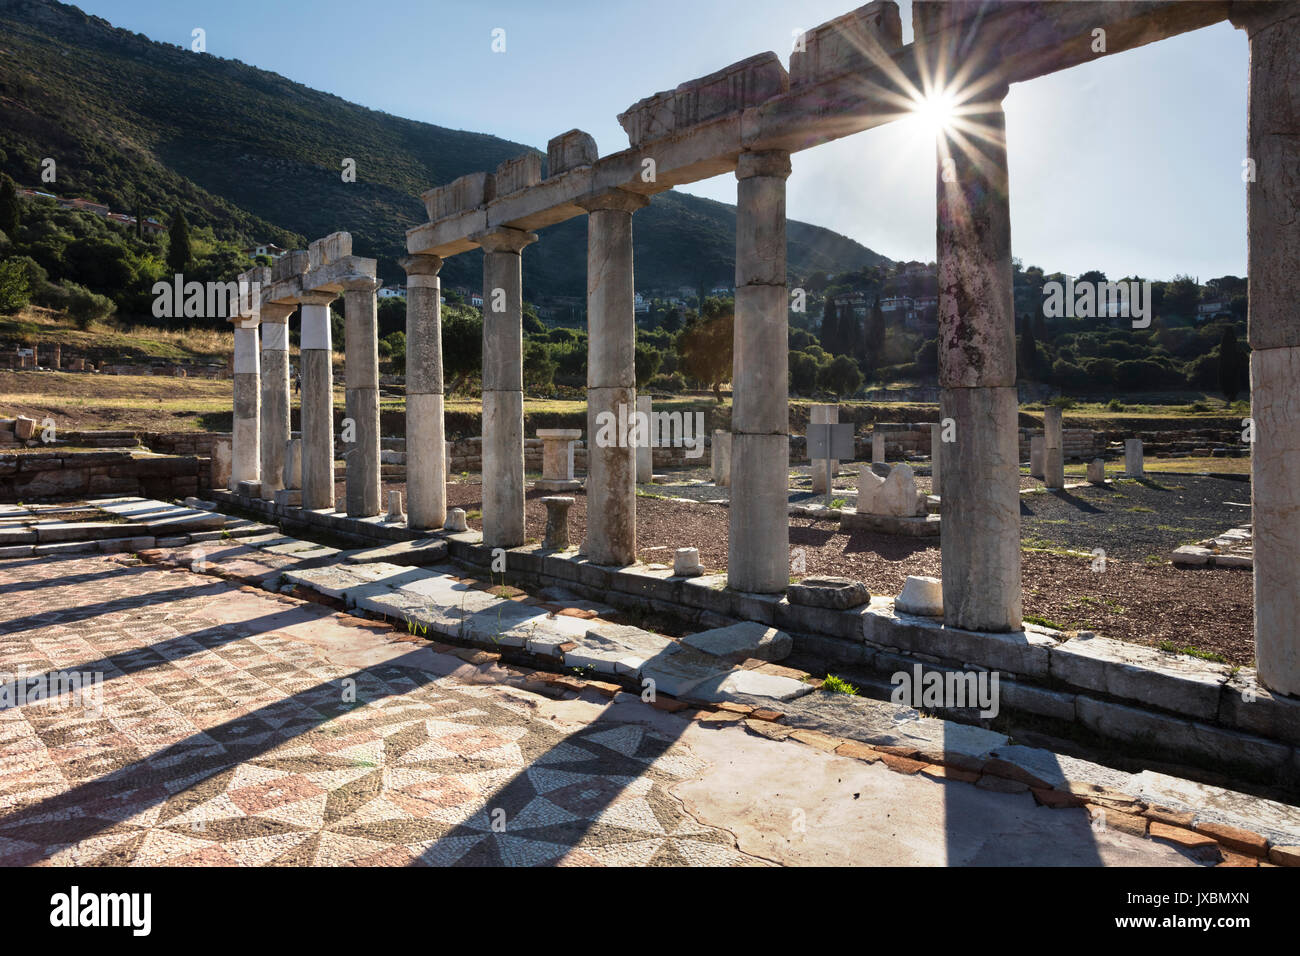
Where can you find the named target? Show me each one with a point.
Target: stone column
(426, 472)
(758, 546)
(936, 458)
(823, 415)
(246, 374)
(275, 394)
(611, 378)
(361, 380)
(1273, 215)
(503, 387)
(316, 373)
(1053, 449)
(980, 533)
(877, 446)
(1133, 464)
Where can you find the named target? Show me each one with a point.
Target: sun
(936, 110)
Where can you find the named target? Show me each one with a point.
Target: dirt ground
(1138, 597)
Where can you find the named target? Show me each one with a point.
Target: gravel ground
(1133, 599)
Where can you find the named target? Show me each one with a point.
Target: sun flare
(936, 110)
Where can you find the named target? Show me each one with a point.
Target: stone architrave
(758, 544)
(557, 459)
(611, 378)
(426, 466)
(980, 531)
(823, 415)
(503, 387)
(1133, 464)
(1273, 215)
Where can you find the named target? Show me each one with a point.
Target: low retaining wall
(40, 476)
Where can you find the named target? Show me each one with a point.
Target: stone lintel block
(321, 252)
(751, 606)
(1248, 706)
(290, 265)
(647, 582)
(460, 195)
(569, 151)
(807, 619)
(1028, 698)
(730, 90)
(516, 174)
(852, 43)
(1182, 685)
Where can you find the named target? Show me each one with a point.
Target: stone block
(739, 642)
(289, 265)
(569, 151)
(330, 249)
(686, 563)
(1097, 471)
(460, 195)
(837, 593)
(730, 90)
(852, 43)
(516, 174)
(921, 595)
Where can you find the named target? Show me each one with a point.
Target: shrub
(85, 306)
(841, 377)
(668, 383)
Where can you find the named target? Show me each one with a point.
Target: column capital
(772, 162)
(316, 298)
(619, 200)
(276, 313)
(505, 239)
(360, 284)
(1255, 15)
(420, 264)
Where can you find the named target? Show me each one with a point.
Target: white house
(393, 292)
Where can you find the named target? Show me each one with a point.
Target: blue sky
(1129, 164)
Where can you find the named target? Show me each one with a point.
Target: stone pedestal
(758, 545)
(395, 512)
(1097, 471)
(980, 531)
(611, 378)
(1053, 449)
(720, 458)
(456, 520)
(823, 415)
(1037, 456)
(219, 475)
(557, 522)
(1133, 464)
(686, 563)
(1273, 214)
(426, 468)
(275, 394)
(557, 459)
(317, 398)
(877, 448)
(644, 450)
(503, 388)
(246, 451)
(361, 378)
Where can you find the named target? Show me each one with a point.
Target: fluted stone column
(1273, 215)
(980, 532)
(361, 381)
(611, 377)
(503, 387)
(426, 472)
(317, 398)
(275, 395)
(244, 464)
(758, 546)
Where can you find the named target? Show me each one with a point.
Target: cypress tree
(178, 243)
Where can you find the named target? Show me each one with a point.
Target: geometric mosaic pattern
(231, 743)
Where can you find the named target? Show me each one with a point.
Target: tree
(830, 332)
(539, 368)
(15, 291)
(875, 336)
(647, 362)
(673, 320)
(8, 206)
(178, 244)
(841, 377)
(1181, 297)
(1230, 362)
(803, 373)
(1027, 353)
(462, 346)
(705, 350)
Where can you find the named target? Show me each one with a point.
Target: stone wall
(37, 476)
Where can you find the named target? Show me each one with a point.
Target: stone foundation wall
(39, 476)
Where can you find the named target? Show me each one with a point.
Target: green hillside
(154, 127)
